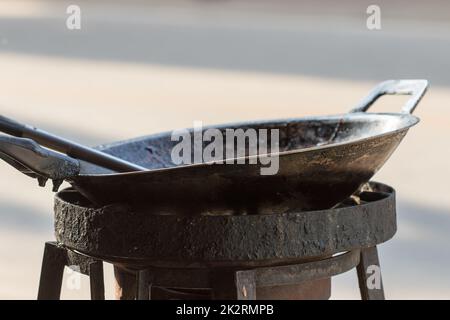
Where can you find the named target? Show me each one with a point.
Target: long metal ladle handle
(415, 88)
(68, 147)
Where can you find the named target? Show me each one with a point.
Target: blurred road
(151, 66)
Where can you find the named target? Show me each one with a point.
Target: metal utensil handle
(25, 154)
(415, 88)
(68, 147)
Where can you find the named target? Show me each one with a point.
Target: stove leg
(97, 280)
(52, 272)
(125, 287)
(234, 285)
(144, 285)
(369, 275)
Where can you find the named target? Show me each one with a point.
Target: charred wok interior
(365, 142)
(154, 152)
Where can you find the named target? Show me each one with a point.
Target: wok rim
(413, 121)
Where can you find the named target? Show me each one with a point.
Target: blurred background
(139, 67)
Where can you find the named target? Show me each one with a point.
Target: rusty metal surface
(308, 290)
(125, 286)
(319, 289)
(123, 234)
(310, 280)
(268, 276)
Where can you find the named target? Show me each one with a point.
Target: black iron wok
(322, 160)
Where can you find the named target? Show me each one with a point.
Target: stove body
(280, 255)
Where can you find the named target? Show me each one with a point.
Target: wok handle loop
(415, 88)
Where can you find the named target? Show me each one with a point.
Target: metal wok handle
(415, 88)
(33, 160)
(68, 147)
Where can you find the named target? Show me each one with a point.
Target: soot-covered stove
(280, 254)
